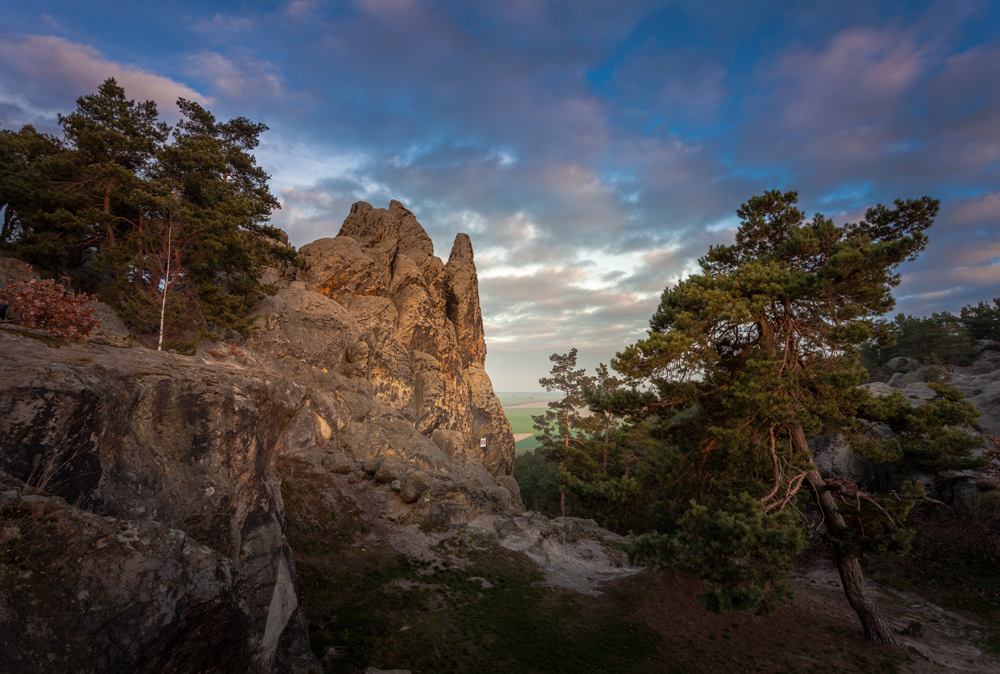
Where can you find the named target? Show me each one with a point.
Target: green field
(520, 422)
(508, 398)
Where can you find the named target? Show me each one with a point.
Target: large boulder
(183, 450)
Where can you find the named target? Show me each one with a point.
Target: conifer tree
(177, 222)
(756, 354)
(559, 429)
(28, 192)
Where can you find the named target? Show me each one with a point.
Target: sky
(592, 150)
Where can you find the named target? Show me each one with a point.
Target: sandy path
(522, 436)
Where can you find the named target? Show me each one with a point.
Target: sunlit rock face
(403, 320)
(150, 536)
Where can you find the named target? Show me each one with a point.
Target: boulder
(900, 379)
(902, 364)
(306, 326)
(111, 331)
(878, 389)
(987, 361)
(988, 403)
(834, 457)
(510, 484)
(413, 486)
(336, 462)
(918, 393)
(983, 346)
(183, 451)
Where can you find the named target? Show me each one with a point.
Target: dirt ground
(654, 619)
(815, 631)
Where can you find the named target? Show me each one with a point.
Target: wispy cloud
(41, 76)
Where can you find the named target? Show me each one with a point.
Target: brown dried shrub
(47, 305)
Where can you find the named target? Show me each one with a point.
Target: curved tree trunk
(855, 588)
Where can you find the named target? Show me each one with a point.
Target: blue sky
(592, 150)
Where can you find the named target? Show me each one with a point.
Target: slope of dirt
(380, 594)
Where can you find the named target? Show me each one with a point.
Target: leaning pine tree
(758, 353)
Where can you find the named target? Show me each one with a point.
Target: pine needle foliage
(748, 359)
(175, 219)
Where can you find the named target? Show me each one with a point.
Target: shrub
(49, 306)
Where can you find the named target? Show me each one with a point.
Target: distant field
(520, 422)
(519, 398)
(525, 445)
(520, 417)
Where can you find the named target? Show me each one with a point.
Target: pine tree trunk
(853, 578)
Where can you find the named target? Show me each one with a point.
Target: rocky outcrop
(980, 382)
(142, 518)
(165, 516)
(407, 323)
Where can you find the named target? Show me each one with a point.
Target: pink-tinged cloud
(242, 79)
(980, 211)
(49, 73)
(862, 77)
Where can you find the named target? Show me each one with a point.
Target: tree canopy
(744, 363)
(174, 222)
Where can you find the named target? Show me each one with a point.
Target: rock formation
(141, 519)
(980, 382)
(161, 546)
(374, 303)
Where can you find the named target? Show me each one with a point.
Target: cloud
(962, 263)
(41, 76)
(673, 88)
(224, 25)
(594, 150)
(963, 102)
(841, 109)
(241, 79)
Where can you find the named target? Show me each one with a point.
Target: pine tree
(177, 222)
(559, 429)
(27, 190)
(757, 353)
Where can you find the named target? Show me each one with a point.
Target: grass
(520, 418)
(520, 422)
(370, 606)
(508, 398)
(526, 445)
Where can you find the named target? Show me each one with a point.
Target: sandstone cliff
(141, 518)
(374, 303)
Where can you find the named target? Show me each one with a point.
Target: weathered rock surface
(177, 458)
(417, 330)
(153, 513)
(574, 553)
(980, 382)
(110, 331)
(132, 596)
